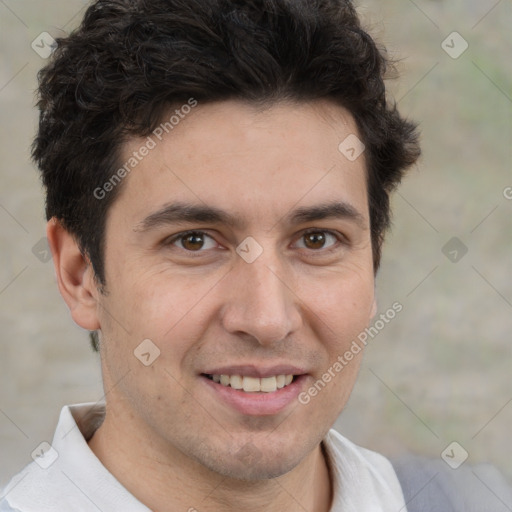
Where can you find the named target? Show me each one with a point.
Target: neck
(165, 479)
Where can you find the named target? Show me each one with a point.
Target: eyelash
(339, 237)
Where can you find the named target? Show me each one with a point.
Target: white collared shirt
(67, 475)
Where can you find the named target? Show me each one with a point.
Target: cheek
(341, 310)
(172, 311)
(343, 307)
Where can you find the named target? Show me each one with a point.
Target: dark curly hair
(131, 60)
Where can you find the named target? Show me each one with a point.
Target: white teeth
(251, 384)
(254, 384)
(268, 384)
(236, 382)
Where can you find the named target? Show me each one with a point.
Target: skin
(166, 437)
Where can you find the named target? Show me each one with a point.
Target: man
(218, 177)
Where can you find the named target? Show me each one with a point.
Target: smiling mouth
(252, 384)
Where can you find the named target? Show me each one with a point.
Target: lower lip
(257, 404)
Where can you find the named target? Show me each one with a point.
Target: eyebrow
(186, 213)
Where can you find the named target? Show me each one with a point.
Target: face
(219, 252)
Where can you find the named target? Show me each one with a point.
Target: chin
(265, 468)
(261, 459)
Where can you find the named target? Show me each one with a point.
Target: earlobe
(75, 276)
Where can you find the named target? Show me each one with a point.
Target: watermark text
(344, 359)
(150, 143)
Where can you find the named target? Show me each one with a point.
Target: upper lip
(249, 370)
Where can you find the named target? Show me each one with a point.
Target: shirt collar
(79, 464)
(362, 480)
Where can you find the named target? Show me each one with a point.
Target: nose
(262, 302)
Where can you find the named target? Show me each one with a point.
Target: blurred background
(441, 370)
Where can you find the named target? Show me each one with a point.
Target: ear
(75, 276)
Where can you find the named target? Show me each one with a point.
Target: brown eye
(314, 240)
(317, 239)
(193, 241)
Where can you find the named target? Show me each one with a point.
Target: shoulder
(428, 485)
(431, 485)
(5, 507)
(67, 475)
(30, 482)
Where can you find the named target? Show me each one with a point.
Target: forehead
(256, 165)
